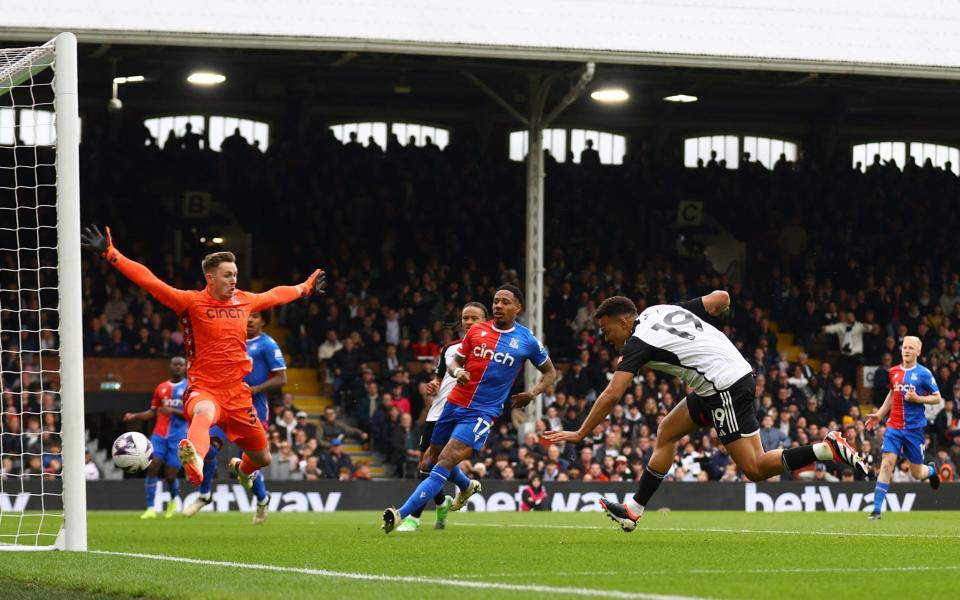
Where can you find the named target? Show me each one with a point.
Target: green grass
(703, 554)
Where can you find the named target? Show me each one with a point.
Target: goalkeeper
(214, 323)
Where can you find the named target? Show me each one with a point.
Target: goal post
(43, 486)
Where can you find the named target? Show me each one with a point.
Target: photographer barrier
(328, 496)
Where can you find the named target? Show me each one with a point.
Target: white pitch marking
(485, 585)
(718, 530)
(729, 571)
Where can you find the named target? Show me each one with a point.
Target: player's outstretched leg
(673, 427)
(466, 487)
(209, 475)
(194, 448)
(454, 452)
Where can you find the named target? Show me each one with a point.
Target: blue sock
(427, 489)
(174, 488)
(259, 487)
(459, 479)
(879, 493)
(933, 471)
(151, 490)
(209, 470)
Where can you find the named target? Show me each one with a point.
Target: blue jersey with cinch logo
(494, 357)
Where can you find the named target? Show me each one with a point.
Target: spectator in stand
(303, 425)
(850, 333)
(335, 460)
(771, 437)
(332, 428)
(534, 496)
(406, 447)
(287, 425)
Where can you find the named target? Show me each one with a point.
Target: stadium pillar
(539, 91)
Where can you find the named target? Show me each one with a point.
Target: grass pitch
(501, 555)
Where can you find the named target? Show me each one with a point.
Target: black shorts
(425, 434)
(732, 412)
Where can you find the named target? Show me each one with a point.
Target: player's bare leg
(671, 430)
(202, 414)
(452, 455)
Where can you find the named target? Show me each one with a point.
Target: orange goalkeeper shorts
(234, 414)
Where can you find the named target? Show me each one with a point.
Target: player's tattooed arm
(459, 373)
(607, 399)
(549, 375)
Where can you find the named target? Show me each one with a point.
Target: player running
(214, 327)
(170, 427)
(490, 357)
(268, 372)
(678, 341)
(911, 387)
(442, 384)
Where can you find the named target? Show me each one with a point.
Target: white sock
(823, 451)
(634, 507)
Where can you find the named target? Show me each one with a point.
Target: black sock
(423, 475)
(795, 458)
(439, 498)
(649, 482)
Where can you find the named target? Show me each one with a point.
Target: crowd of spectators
(848, 262)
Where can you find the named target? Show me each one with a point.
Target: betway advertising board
(498, 496)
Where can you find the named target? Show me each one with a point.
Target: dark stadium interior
(408, 234)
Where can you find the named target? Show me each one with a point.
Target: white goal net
(42, 500)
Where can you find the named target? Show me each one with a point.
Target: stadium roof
(876, 37)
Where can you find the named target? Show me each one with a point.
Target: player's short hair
(479, 305)
(616, 306)
(513, 290)
(212, 261)
(265, 315)
(914, 338)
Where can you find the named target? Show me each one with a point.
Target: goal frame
(73, 532)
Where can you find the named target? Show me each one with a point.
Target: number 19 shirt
(676, 339)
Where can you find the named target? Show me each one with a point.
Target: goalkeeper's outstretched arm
(91, 239)
(284, 294)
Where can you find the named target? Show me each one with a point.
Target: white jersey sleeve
(679, 341)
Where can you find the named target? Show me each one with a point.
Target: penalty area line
(482, 585)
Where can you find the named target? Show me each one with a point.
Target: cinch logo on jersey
(225, 313)
(504, 358)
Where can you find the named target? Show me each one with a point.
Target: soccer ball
(132, 452)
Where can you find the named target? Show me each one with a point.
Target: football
(132, 452)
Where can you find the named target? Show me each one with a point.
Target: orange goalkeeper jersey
(215, 331)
